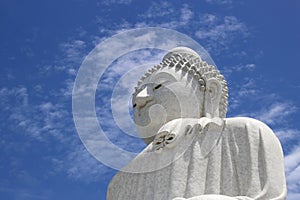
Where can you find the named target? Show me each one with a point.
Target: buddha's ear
(212, 97)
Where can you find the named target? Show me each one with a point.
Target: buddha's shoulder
(247, 123)
(245, 127)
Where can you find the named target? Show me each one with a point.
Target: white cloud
(48, 121)
(160, 9)
(68, 59)
(250, 66)
(240, 93)
(267, 107)
(19, 95)
(292, 168)
(169, 17)
(217, 32)
(276, 113)
(208, 19)
(221, 30)
(34, 120)
(186, 14)
(229, 70)
(287, 134)
(292, 160)
(73, 51)
(130, 61)
(80, 165)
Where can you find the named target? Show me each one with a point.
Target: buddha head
(181, 86)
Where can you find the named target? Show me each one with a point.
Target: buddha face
(165, 95)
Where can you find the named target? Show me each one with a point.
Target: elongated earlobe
(212, 97)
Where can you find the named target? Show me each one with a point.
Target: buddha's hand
(186, 126)
(169, 134)
(183, 129)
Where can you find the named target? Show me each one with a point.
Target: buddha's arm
(272, 169)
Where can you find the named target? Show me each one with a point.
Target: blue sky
(255, 44)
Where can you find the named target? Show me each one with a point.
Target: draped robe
(244, 160)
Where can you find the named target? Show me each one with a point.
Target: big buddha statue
(193, 151)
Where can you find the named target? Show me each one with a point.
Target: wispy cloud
(221, 2)
(215, 32)
(28, 51)
(171, 20)
(292, 168)
(160, 9)
(67, 61)
(220, 32)
(80, 165)
(229, 70)
(16, 95)
(32, 191)
(276, 113)
(109, 2)
(246, 89)
(47, 122)
(36, 120)
(73, 51)
(286, 134)
(186, 14)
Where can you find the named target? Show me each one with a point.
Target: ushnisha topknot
(187, 60)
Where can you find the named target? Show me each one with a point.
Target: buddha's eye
(158, 86)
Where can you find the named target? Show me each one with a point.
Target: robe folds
(243, 160)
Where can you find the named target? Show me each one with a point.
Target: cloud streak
(218, 32)
(220, 2)
(276, 113)
(292, 168)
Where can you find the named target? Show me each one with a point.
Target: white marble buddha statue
(193, 151)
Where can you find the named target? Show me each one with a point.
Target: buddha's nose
(142, 98)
